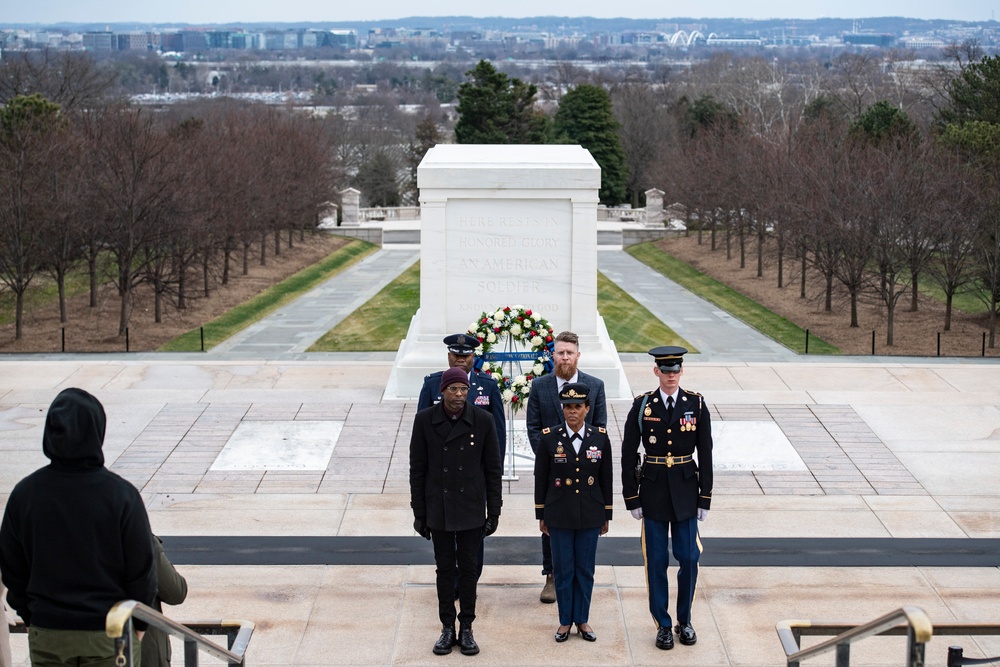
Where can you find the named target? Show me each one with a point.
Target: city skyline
(260, 11)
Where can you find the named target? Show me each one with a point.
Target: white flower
(507, 395)
(473, 328)
(498, 315)
(537, 369)
(520, 379)
(527, 323)
(536, 341)
(515, 329)
(491, 338)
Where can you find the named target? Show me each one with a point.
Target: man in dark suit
(483, 390)
(455, 493)
(544, 409)
(671, 491)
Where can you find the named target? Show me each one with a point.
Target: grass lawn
(42, 293)
(966, 302)
(380, 323)
(630, 325)
(271, 299)
(768, 323)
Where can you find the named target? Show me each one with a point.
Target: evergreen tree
(883, 121)
(377, 180)
(585, 117)
(974, 95)
(496, 109)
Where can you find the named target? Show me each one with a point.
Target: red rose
(484, 320)
(520, 318)
(528, 312)
(548, 339)
(529, 378)
(513, 399)
(506, 309)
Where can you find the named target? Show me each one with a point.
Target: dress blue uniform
(574, 497)
(670, 486)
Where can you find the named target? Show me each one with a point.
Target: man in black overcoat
(455, 493)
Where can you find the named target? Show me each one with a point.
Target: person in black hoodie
(74, 540)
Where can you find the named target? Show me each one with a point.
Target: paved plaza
(845, 488)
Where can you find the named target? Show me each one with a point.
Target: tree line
(872, 170)
(175, 200)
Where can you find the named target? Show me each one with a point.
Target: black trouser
(461, 547)
(479, 564)
(546, 555)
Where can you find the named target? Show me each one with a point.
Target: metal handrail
(918, 627)
(120, 618)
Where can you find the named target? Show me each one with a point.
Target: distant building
(99, 41)
(921, 43)
(869, 39)
(736, 41)
(137, 41)
(347, 39)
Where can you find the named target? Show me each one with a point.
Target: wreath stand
(532, 342)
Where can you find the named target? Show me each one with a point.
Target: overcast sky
(229, 11)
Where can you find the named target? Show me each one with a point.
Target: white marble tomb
(506, 225)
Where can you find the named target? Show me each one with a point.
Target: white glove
(636, 513)
(702, 514)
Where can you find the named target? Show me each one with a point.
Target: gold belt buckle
(670, 461)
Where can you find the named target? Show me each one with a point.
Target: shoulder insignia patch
(601, 429)
(693, 393)
(547, 430)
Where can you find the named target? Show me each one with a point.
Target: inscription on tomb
(520, 254)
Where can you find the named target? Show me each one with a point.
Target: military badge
(558, 482)
(590, 481)
(648, 411)
(652, 439)
(559, 449)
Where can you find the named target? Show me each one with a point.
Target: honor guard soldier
(670, 489)
(483, 390)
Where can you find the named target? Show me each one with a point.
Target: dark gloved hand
(491, 525)
(420, 525)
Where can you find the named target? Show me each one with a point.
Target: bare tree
(644, 124)
(71, 79)
(32, 166)
(133, 175)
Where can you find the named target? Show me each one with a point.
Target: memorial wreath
(523, 329)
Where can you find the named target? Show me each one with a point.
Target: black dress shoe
(685, 634)
(664, 639)
(563, 636)
(586, 634)
(466, 642)
(445, 642)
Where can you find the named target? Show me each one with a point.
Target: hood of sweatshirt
(74, 431)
